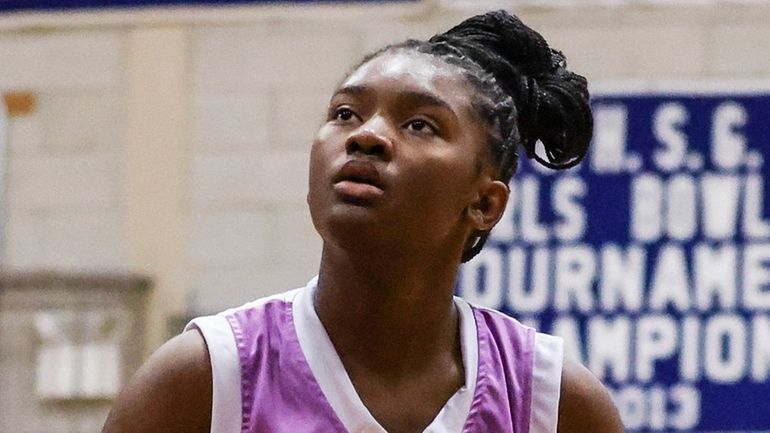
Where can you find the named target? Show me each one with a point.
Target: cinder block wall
(257, 80)
(63, 185)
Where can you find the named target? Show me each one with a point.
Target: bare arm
(171, 393)
(585, 405)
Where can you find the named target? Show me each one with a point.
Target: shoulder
(170, 393)
(263, 308)
(585, 404)
(496, 321)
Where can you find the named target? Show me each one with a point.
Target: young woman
(408, 175)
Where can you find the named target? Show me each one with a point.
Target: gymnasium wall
(174, 142)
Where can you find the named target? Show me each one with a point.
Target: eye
(422, 126)
(343, 114)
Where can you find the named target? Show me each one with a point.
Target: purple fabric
(503, 395)
(280, 393)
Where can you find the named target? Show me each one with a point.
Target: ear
(488, 207)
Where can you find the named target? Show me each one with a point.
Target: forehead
(413, 71)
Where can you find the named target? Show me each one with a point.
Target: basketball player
(408, 175)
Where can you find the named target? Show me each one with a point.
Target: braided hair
(523, 91)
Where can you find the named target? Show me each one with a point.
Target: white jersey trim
(455, 412)
(338, 389)
(546, 383)
(226, 406)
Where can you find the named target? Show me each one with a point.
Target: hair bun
(562, 120)
(551, 102)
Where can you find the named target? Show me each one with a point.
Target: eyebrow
(411, 97)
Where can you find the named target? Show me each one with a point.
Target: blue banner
(43, 5)
(652, 258)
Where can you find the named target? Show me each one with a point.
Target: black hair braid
(525, 92)
(552, 102)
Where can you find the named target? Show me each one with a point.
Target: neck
(385, 313)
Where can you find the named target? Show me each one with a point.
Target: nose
(371, 139)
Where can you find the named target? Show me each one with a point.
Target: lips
(358, 182)
(358, 171)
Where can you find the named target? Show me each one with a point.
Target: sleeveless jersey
(275, 370)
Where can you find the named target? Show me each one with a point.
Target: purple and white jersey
(276, 371)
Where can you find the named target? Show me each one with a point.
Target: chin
(350, 226)
(353, 218)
